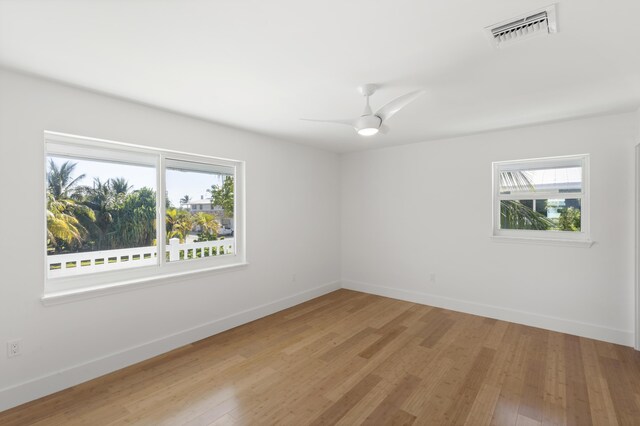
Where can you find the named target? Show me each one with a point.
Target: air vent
(533, 24)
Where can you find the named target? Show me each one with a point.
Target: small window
(544, 198)
(104, 216)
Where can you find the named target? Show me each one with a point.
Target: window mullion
(161, 229)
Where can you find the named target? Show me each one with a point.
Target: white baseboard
(593, 331)
(54, 382)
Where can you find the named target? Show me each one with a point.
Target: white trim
(89, 292)
(73, 375)
(541, 195)
(533, 235)
(543, 241)
(637, 251)
(106, 143)
(574, 160)
(563, 325)
(161, 184)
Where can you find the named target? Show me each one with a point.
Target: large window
(544, 198)
(122, 212)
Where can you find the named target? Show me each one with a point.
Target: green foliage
(120, 185)
(569, 219)
(110, 215)
(59, 181)
(104, 216)
(135, 220)
(208, 226)
(63, 228)
(515, 215)
(178, 224)
(223, 196)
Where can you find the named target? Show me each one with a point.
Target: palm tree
(514, 214)
(209, 226)
(207, 222)
(64, 213)
(63, 227)
(59, 180)
(179, 223)
(120, 185)
(104, 201)
(185, 200)
(516, 180)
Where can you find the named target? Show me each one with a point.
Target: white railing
(64, 265)
(179, 251)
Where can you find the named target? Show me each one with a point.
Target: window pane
(200, 210)
(547, 215)
(101, 216)
(560, 180)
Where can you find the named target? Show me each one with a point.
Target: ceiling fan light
(367, 125)
(368, 131)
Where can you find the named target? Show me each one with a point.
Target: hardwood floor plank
(532, 399)
(379, 344)
(352, 358)
(555, 396)
(347, 344)
(624, 400)
(578, 410)
(388, 408)
(338, 409)
(363, 408)
(600, 402)
(483, 405)
(398, 320)
(437, 332)
(512, 378)
(458, 412)
(426, 391)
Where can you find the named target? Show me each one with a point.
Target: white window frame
(62, 289)
(581, 238)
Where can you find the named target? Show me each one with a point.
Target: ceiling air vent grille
(537, 23)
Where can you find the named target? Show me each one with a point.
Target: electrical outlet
(13, 348)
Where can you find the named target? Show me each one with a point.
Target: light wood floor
(351, 358)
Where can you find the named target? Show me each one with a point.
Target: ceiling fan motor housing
(368, 122)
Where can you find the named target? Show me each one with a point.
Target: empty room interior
(411, 212)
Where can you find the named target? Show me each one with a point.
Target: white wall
(292, 225)
(413, 210)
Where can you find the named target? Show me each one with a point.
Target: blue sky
(179, 184)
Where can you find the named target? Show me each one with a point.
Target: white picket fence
(64, 265)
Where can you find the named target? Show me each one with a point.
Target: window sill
(73, 295)
(543, 241)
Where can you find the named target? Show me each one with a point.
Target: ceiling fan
(370, 123)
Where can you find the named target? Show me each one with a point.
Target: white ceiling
(262, 65)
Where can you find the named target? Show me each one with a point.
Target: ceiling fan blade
(388, 110)
(347, 122)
